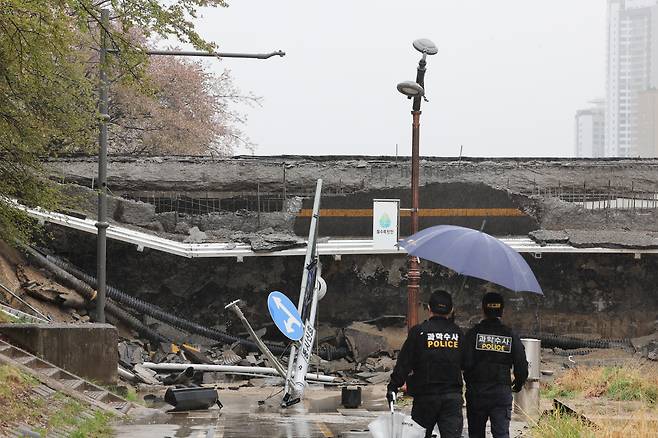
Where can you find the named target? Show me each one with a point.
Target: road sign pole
(306, 346)
(261, 345)
(293, 393)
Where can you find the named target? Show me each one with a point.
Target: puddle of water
(243, 416)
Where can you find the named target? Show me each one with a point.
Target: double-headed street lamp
(102, 223)
(415, 91)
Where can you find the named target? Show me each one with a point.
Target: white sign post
(385, 223)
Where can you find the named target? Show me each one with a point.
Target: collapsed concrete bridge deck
(602, 213)
(251, 194)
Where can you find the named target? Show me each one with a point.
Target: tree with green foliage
(48, 82)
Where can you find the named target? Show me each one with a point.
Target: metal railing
(264, 202)
(601, 198)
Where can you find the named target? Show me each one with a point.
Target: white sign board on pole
(385, 223)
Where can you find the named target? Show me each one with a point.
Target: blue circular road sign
(285, 315)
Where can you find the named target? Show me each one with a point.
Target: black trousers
(495, 407)
(444, 410)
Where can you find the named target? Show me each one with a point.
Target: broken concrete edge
(54, 384)
(625, 239)
(275, 231)
(590, 228)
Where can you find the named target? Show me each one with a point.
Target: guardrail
(326, 246)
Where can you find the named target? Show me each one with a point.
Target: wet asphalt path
(320, 416)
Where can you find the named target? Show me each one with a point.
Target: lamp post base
(413, 292)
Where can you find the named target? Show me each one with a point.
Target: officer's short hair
(440, 302)
(493, 304)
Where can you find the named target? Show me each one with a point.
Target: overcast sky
(507, 80)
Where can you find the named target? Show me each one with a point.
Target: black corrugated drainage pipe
(180, 323)
(90, 294)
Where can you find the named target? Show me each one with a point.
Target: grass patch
(126, 392)
(131, 395)
(69, 414)
(66, 415)
(555, 391)
(19, 404)
(97, 426)
(560, 425)
(10, 319)
(15, 389)
(629, 383)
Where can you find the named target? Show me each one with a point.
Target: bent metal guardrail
(335, 247)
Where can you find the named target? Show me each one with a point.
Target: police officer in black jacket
(430, 364)
(491, 350)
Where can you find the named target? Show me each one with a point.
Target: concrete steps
(56, 379)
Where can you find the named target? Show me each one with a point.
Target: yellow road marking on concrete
(324, 429)
(423, 212)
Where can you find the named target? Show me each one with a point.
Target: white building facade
(590, 131)
(632, 69)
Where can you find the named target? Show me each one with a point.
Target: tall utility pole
(102, 224)
(415, 91)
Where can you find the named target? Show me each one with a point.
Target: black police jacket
(430, 359)
(491, 351)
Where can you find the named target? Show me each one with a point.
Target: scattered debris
(182, 378)
(145, 375)
(195, 236)
(376, 378)
(131, 353)
(192, 399)
(365, 340)
(650, 351)
(264, 241)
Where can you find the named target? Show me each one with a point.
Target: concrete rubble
(371, 357)
(365, 341)
(269, 231)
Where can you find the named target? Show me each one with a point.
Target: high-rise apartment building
(632, 69)
(590, 131)
(646, 145)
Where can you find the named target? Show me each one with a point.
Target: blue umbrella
(473, 253)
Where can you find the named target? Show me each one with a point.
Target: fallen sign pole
(307, 308)
(230, 369)
(261, 345)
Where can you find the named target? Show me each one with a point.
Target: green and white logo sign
(385, 218)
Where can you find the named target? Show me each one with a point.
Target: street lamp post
(415, 91)
(102, 224)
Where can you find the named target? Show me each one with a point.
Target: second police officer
(491, 351)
